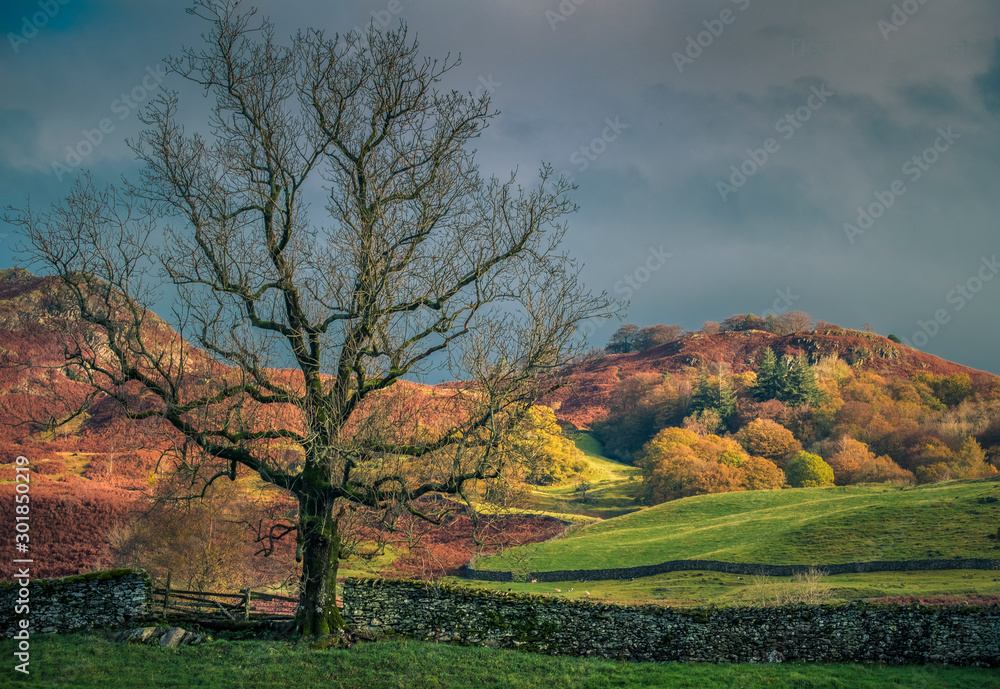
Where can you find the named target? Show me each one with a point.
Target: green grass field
(84, 662)
(685, 589)
(797, 526)
(611, 487)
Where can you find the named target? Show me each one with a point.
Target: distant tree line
(631, 338)
(779, 324)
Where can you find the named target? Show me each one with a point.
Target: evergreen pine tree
(725, 398)
(790, 380)
(770, 377)
(704, 396)
(802, 386)
(714, 394)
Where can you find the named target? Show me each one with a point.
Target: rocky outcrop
(162, 636)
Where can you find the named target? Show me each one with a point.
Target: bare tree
(797, 321)
(418, 261)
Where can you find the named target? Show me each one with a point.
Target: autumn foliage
(853, 462)
(678, 463)
(885, 413)
(768, 439)
(869, 408)
(69, 525)
(544, 455)
(806, 470)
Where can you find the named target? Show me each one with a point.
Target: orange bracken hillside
(33, 371)
(592, 382)
(89, 476)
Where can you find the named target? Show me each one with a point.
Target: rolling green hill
(799, 526)
(611, 486)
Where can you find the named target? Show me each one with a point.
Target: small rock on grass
(164, 636)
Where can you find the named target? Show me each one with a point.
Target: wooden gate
(244, 606)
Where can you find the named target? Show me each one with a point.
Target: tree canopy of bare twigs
(311, 319)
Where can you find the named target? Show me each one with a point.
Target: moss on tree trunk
(318, 614)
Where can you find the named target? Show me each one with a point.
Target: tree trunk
(319, 536)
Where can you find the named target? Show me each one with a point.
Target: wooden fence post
(246, 603)
(166, 596)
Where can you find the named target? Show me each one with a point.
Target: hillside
(90, 476)
(38, 389)
(33, 374)
(96, 457)
(799, 526)
(592, 382)
(29, 327)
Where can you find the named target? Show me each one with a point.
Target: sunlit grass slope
(611, 486)
(685, 589)
(798, 526)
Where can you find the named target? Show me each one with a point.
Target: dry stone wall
(733, 568)
(78, 603)
(855, 633)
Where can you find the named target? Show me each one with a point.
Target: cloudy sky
(732, 156)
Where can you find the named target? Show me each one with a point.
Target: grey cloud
(989, 82)
(657, 182)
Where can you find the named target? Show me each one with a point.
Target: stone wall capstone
(851, 633)
(79, 603)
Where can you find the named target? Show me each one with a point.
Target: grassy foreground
(797, 526)
(86, 661)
